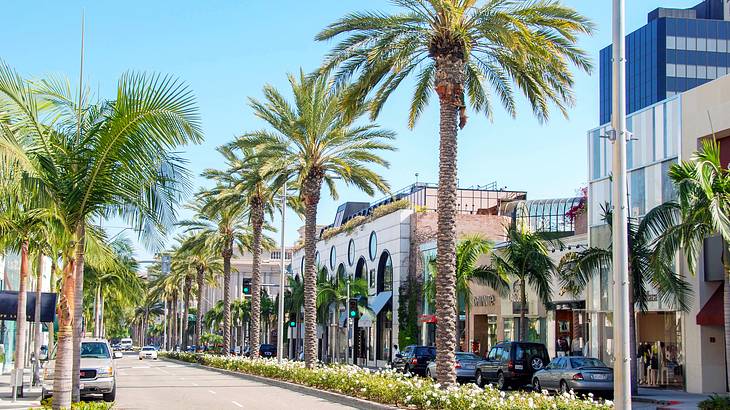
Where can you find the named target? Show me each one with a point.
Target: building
(382, 244)
(677, 50)
(668, 131)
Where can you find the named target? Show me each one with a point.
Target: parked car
(98, 371)
(148, 352)
(117, 347)
(466, 366)
(577, 373)
(126, 343)
(512, 364)
(414, 359)
(267, 350)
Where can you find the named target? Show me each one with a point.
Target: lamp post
(619, 135)
(280, 331)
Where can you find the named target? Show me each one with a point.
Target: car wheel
(501, 383)
(563, 387)
(537, 363)
(154, 358)
(140, 358)
(479, 379)
(112, 395)
(536, 385)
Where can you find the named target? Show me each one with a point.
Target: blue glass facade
(674, 52)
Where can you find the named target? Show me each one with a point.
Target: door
(495, 363)
(485, 366)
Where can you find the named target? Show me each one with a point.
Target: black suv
(267, 350)
(414, 359)
(512, 364)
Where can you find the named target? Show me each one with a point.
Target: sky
(227, 50)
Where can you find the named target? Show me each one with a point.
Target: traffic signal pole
(349, 321)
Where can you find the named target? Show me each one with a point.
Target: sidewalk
(666, 399)
(32, 394)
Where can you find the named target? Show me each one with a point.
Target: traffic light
(247, 286)
(353, 312)
(292, 323)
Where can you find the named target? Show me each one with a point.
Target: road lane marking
(162, 370)
(211, 392)
(237, 403)
(140, 367)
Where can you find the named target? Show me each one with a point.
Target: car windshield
(425, 351)
(576, 362)
(148, 348)
(94, 350)
(466, 356)
(527, 351)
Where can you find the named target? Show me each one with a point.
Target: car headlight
(105, 371)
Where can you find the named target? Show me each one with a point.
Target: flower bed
(389, 387)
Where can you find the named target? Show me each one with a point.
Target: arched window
(351, 252)
(385, 272)
(361, 270)
(333, 257)
(316, 260)
(301, 268)
(341, 273)
(373, 245)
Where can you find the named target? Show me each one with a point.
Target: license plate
(600, 376)
(81, 386)
(267, 354)
(519, 367)
(468, 366)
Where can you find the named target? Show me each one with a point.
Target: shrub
(715, 402)
(389, 387)
(82, 405)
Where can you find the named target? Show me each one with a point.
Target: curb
(311, 391)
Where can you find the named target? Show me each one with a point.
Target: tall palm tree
(648, 269)
(111, 157)
(468, 252)
(314, 142)
(525, 256)
(245, 181)
(221, 226)
(460, 49)
(703, 204)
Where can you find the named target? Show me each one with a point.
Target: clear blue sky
(226, 51)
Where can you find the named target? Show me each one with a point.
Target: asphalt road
(158, 384)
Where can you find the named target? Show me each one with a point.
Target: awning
(379, 301)
(366, 318)
(712, 313)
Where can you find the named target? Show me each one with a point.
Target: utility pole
(349, 321)
(282, 277)
(619, 136)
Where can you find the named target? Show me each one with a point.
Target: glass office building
(677, 50)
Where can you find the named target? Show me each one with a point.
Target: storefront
(660, 356)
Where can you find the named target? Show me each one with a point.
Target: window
(333, 257)
(671, 42)
(671, 70)
(638, 193)
(691, 71)
(681, 43)
(691, 43)
(94, 350)
(373, 246)
(509, 329)
(701, 71)
(316, 260)
(711, 44)
(722, 46)
(681, 70)
(668, 191)
(721, 71)
(701, 44)
(301, 268)
(711, 72)
(351, 252)
(492, 354)
(385, 273)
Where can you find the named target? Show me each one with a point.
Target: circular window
(333, 257)
(351, 252)
(316, 260)
(373, 247)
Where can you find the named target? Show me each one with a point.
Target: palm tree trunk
(227, 253)
(311, 191)
(257, 221)
(199, 305)
(51, 330)
(62, 380)
(186, 311)
(37, 322)
(523, 308)
(21, 324)
(78, 311)
(449, 87)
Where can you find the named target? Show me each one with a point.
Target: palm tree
(468, 252)
(111, 157)
(245, 182)
(703, 204)
(220, 225)
(460, 49)
(315, 143)
(525, 256)
(648, 269)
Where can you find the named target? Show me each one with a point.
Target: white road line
(211, 392)
(237, 403)
(163, 371)
(140, 367)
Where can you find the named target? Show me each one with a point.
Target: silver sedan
(580, 374)
(466, 366)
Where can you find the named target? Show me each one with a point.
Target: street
(161, 384)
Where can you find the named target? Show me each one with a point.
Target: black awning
(9, 306)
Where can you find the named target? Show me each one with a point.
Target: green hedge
(389, 387)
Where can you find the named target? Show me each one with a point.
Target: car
(577, 373)
(466, 366)
(148, 352)
(117, 347)
(267, 350)
(512, 364)
(414, 359)
(98, 370)
(126, 343)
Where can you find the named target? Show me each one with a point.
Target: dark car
(512, 364)
(267, 350)
(466, 365)
(414, 359)
(577, 373)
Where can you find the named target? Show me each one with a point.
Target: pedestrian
(396, 352)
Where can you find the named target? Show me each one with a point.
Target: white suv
(98, 371)
(148, 352)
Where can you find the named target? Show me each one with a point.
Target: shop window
(509, 329)
(385, 273)
(491, 330)
(385, 332)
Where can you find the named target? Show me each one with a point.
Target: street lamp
(619, 136)
(280, 329)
